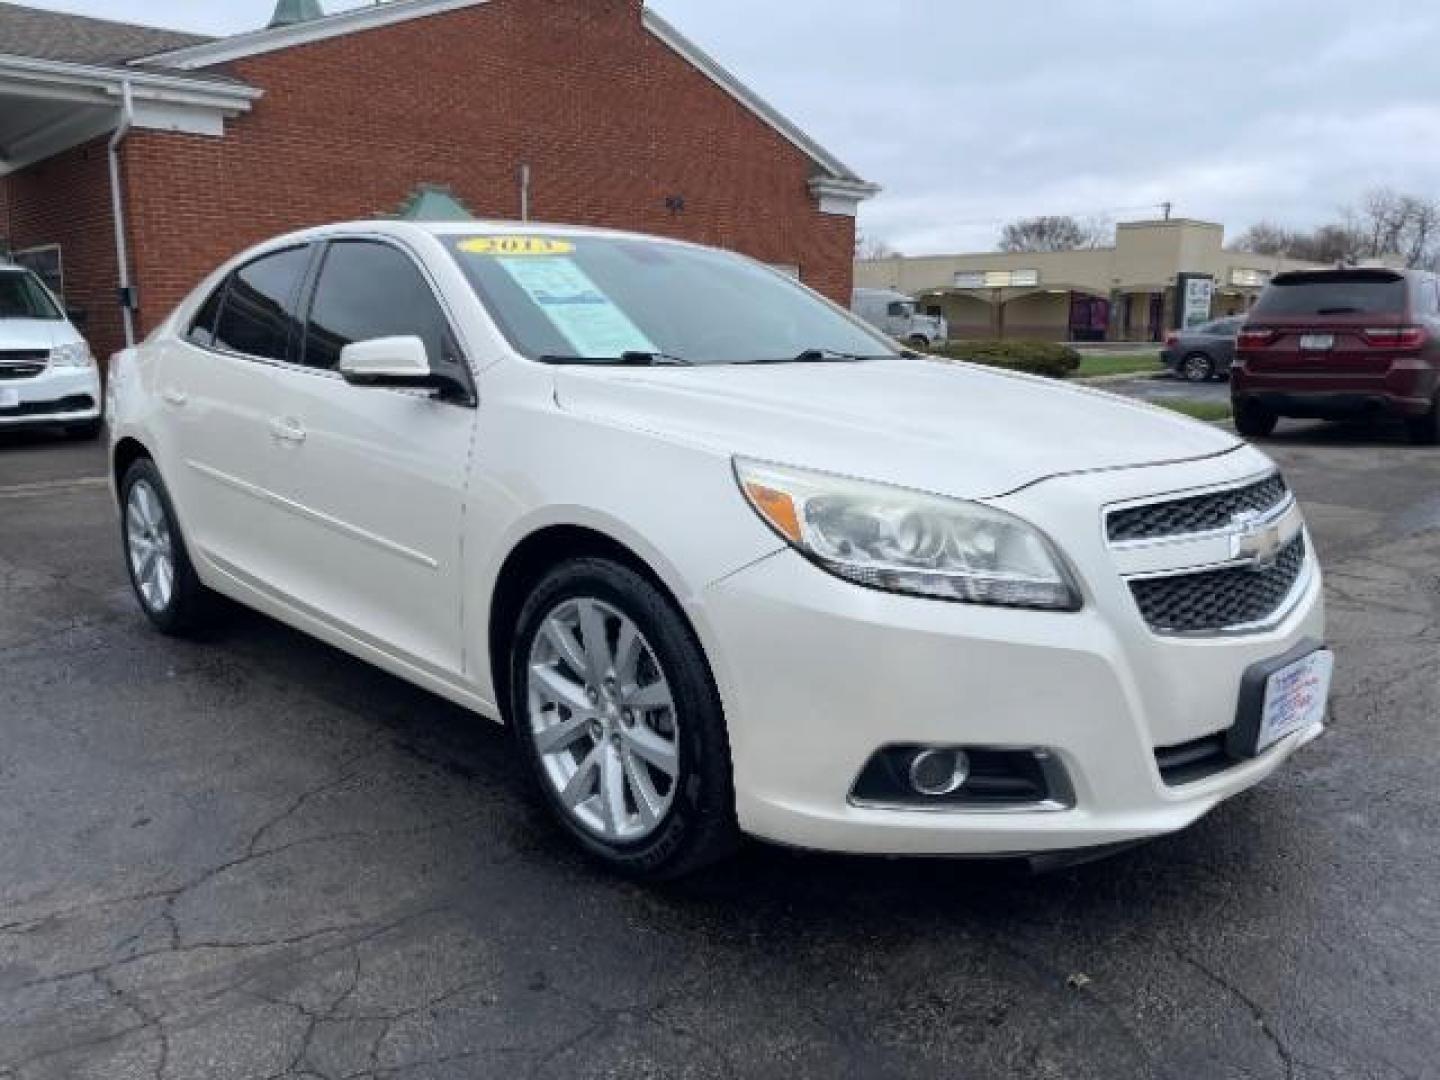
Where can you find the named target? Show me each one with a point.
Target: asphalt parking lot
(256, 857)
(1162, 386)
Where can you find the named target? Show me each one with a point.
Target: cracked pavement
(256, 858)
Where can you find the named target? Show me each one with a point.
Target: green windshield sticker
(574, 304)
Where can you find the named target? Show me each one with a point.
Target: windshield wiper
(819, 356)
(626, 359)
(1340, 311)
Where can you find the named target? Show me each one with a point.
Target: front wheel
(1254, 420)
(170, 592)
(615, 712)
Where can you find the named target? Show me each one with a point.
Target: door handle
(177, 398)
(291, 431)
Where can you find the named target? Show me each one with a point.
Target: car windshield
(582, 299)
(1334, 294)
(23, 297)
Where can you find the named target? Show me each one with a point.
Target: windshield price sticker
(516, 246)
(575, 306)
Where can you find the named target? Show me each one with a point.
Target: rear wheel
(1197, 367)
(920, 343)
(614, 710)
(1425, 430)
(165, 582)
(1254, 420)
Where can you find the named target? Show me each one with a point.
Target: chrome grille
(1195, 514)
(1216, 600)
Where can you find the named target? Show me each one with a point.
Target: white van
(47, 374)
(897, 315)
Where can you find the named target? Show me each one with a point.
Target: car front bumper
(820, 674)
(55, 396)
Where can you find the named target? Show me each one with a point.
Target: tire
(148, 524)
(1197, 367)
(1254, 420)
(85, 432)
(617, 735)
(920, 343)
(1425, 430)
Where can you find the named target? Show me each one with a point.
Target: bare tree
(1384, 224)
(1050, 232)
(1099, 231)
(873, 247)
(1266, 238)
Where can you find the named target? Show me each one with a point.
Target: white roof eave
(104, 83)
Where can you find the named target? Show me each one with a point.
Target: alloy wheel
(150, 545)
(1197, 368)
(603, 720)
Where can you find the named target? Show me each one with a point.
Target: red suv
(1332, 344)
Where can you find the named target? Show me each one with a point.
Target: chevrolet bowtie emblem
(1259, 543)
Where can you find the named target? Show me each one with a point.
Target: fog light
(937, 773)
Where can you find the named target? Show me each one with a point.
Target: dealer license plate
(1295, 698)
(9, 397)
(1317, 342)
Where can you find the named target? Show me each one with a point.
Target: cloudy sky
(971, 114)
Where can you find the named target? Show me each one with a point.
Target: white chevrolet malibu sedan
(724, 559)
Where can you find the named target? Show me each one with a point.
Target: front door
(376, 478)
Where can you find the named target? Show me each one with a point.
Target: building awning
(47, 106)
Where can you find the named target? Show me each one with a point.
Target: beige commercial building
(1158, 276)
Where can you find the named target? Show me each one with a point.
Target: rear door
(1324, 323)
(218, 388)
(375, 479)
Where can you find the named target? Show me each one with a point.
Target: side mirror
(79, 317)
(399, 362)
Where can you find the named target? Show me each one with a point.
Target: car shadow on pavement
(410, 723)
(1340, 433)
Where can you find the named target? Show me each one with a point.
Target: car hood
(34, 334)
(948, 428)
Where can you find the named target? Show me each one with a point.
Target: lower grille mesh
(1219, 599)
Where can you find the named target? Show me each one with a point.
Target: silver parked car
(1203, 352)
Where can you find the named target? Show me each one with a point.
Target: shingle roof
(78, 39)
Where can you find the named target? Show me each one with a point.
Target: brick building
(578, 111)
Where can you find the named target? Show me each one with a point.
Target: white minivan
(723, 557)
(47, 373)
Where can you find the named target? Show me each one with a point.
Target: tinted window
(258, 316)
(202, 330)
(23, 297)
(366, 291)
(1334, 294)
(595, 298)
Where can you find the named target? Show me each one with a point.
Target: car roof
(413, 229)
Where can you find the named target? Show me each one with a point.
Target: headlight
(909, 542)
(76, 354)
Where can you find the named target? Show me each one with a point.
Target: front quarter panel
(536, 466)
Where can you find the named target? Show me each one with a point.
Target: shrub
(1033, 357)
